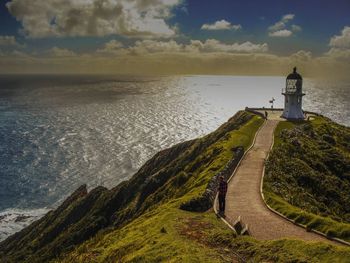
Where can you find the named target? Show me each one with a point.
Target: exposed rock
(21, 218)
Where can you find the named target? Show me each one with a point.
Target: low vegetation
(180, 236)
(308, 175)
(140, 220)
(151, 197)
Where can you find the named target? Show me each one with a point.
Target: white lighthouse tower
(293, 97)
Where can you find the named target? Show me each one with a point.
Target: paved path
(243, 195)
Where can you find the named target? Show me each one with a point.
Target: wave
(13, 220)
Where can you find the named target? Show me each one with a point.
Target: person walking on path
(222, 194)
(266, 115)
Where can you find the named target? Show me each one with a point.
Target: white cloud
(149, 46)
(287, 17)
(277, 26)
(221, 25)
(296, 28)
(112, 47)
(281, 29)
(201, 61)
(342, 41)
(60, 52)
(20, 54)
(340, 54)
(153, 46)
(281, 33)
(301, 56)
(8, 41)
(213, 45)
(340, 46)
(113, 44)
(141, 47)
(282, 23)
(139, 18)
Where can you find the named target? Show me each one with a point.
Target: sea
(60, 131)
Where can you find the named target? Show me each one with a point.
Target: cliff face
(171, 173)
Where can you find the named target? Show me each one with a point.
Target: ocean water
(58, 132)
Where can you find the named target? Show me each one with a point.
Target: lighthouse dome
(294, 75)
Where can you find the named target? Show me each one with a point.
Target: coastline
(151, 200)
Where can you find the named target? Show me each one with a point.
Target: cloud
(342, 41)
(213, 45)
(112, 47)
(61, 18)
(60, 52)
(296, 28)
(277, 26)
(282, 23)
(301, 56)
(340, 45)
(148, 46)
(281, 33)
(281, 29)
(140, 47)
(185, 61)
(19, 54)
(221, 25)
(287, 17)
(340, 54)
(153, 46)
(9, 41)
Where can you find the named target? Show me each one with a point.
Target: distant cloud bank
(9, 41)
(195, 46)
(140, 36)
(340, 45)
(342, 41)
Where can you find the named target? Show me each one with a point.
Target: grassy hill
(308, 175)
(140, 220)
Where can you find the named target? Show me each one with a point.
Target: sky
(238, 37)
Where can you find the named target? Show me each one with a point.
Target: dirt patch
(195, 229)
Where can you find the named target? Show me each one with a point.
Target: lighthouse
(293, 97)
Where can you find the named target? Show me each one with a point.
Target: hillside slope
(308, 175)
(140, 220)
(179, 173)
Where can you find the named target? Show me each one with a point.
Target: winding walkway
(244, 199)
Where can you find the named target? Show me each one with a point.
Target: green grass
(289, 250)
(281, 126)
(168, 234)
(142, 221)
(307, 175)
(325, 225)
(171, 235)
(187, 235)
(242, 137)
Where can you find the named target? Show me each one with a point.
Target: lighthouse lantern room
(293, 97)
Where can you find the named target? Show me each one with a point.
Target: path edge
(338, 240)
(234, 172)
